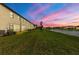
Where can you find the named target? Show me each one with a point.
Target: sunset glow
(55, 14)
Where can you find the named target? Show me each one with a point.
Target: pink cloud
(41, 9)
(63, 17)
(38, 10)
(52, 16)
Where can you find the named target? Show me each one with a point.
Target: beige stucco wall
(4, 17)
(6, 21)
(77, 28)
(26, 24)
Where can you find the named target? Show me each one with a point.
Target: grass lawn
(39, 42)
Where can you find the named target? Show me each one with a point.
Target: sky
(51, 14)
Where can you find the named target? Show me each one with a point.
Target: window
(11, 15)
(18, 18)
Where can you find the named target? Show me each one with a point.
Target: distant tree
(41, 25)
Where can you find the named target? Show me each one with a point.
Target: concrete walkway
(73, 33)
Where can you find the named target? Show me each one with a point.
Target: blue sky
(36, 12)
(23, 8)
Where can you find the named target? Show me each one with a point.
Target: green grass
(39, 42)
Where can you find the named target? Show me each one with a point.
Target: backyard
(39, 42)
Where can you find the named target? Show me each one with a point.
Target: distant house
(69, 27)
(9, 19)
(77, 27)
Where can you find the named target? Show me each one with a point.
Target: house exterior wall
(4, 17)
(26, 24)
(77, 28)
(10, 20)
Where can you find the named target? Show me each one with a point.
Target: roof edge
(16, 13)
